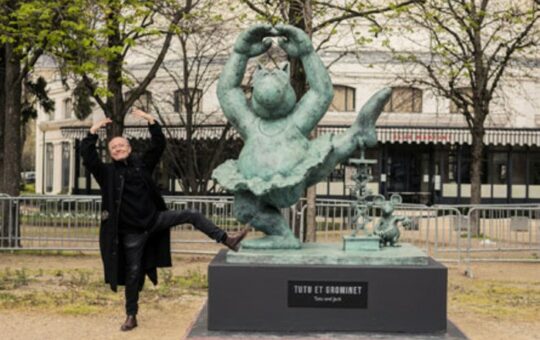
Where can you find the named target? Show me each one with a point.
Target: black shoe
(129, 324)
(233, 242)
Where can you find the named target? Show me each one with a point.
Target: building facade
(423, 151)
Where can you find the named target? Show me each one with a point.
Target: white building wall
(518, 105)
(48, 131)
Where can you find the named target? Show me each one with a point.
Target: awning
(141, 132)
(436, 135)
(385, 134)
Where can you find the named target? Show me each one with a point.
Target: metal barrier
(507, 232)
(504, 233)
(448, 233)
(434, 229)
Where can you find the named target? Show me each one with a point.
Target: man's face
(119, 148)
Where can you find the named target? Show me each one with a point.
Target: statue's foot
(272, 242)
(364, 125)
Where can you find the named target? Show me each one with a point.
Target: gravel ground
(501, 301)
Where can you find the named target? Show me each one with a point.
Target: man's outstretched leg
(171, 218)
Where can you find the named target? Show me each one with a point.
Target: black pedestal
(298, 298)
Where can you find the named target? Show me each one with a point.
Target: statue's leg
(246, 207)
(395, 239)
(362, 131)
(361, 134)
(263, 217)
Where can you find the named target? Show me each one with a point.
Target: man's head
(119, 148)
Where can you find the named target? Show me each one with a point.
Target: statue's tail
(368, 115)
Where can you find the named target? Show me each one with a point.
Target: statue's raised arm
(231, 96)
(314, 104)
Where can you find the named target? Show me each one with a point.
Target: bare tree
(472, 46)
(98, 50)
(202, 43)
(27, 30)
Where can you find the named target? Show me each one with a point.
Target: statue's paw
(272, 242)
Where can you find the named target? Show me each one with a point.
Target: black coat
(157, 252)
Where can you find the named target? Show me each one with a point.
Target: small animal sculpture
(387, 227)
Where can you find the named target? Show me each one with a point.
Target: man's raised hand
(99, 124)
(138, 113)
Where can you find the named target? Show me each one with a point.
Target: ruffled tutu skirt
(279, 190)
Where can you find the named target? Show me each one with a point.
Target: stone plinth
(361, 243)
(331, 254)
(306, 296)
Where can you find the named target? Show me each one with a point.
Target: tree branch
(92, 89)
(157, 63)
(350, 13)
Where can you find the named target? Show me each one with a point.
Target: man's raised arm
(88, 151)
(153, 154)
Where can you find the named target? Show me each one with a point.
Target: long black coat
(158, 248)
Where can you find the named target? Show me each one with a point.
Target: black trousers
(133, 244)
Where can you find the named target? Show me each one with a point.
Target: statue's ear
(286, 69)
(258, 69)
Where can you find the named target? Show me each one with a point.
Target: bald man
(135, 227)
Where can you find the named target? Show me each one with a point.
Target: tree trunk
(12, 144)
(115, 103)
(311, 214)
(476, 175)
(298, 82)
(2, 114)
(12, 123)
(298, 18)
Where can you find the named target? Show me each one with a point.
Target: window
(465, 91)
(452, 166)
(519, 168)
(404, 99)
(499, 170)
(49, 166)
(344, 99)
(338, 174)
(143, 102)
(534, 169)
(80, 183)
(68, 108)
(194, 100)
(65, 166)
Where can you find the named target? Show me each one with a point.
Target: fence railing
(450, 233)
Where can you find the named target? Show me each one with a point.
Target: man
(135, 227)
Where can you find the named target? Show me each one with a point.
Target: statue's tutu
(281, 190)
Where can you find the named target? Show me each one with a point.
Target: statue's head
(387, 209)
(273, 96)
